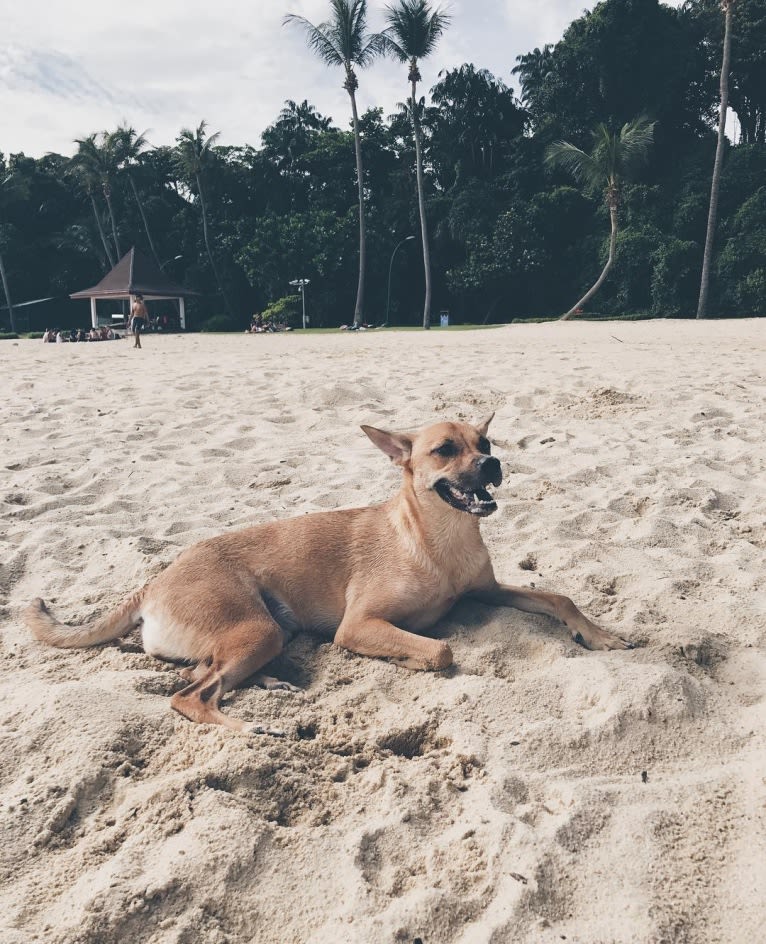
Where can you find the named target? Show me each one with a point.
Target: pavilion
(135, 274)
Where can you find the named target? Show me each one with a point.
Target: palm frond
(582, 166)
(416, 27)
(318, 39)
(636, 139)
(390, 47)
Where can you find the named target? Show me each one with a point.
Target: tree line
(604, 187)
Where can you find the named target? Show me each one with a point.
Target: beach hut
(135, 274)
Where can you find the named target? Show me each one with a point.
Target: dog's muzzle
(469, 494)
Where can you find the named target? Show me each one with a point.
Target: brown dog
(371, 576)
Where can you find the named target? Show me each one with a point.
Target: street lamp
(302, 283)
(390, 267)
(174, 259)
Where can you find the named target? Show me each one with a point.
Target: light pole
(174, 259)
(302, 283)
(390, 267)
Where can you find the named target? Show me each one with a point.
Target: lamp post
(302, 283)
(174, 259)
(390, 267)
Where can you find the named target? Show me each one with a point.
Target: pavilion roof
(135, 274)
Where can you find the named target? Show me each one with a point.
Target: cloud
(70, 69)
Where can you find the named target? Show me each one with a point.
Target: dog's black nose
(490, 470)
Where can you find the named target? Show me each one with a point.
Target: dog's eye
(446, 449)
(485, 446)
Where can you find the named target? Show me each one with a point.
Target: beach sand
(534, 793)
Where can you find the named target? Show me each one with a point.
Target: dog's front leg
(370, 636)
(582, 629)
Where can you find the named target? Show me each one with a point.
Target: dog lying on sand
(369, 577)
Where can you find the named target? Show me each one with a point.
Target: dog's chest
(435, 592)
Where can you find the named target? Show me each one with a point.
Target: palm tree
(343, 41)
(727, 7)
(193, 155)
(99, 163)
(612, 160)
(125, 146)
(413, 31)
(86, 177)
(11, 187)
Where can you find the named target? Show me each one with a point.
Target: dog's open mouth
(477, 502)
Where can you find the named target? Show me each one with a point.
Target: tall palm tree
(193, 156)
(612, 160)
(343, 41)
(125, 146)
(96, 157)
(12, 187)
(88, 180)
(413, 31)
(727, 7)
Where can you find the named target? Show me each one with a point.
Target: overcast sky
(67, 69)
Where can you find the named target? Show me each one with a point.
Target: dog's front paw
(592, 637)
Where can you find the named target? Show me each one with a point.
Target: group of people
(56, 336)
(259, 326)
(139, 320)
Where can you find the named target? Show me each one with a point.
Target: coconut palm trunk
(351, 85)
(101, 233)
(140, 206)
(108, 197)
(707, 259)
(414, 76)
(206, 236)
(7, 291)
(605, 271)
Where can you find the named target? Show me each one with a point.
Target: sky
(69, 69)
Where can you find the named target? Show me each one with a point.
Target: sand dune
(534, 793)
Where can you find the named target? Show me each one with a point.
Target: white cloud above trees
(70, 69)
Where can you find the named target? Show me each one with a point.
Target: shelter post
(93, 313)
(182, 313)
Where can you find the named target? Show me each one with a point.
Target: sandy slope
(500, 802)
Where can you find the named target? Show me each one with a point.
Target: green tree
(611, 161)
(125, 146)
(727, 7)
(98, 162)
(12, 188)
(193, 156)
(413, 30)
(87, 176)
(343, 41)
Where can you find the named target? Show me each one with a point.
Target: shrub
(9, 336)
(286, 310)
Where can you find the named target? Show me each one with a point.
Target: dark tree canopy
(509, 238)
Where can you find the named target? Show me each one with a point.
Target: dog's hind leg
(238, 652)
(376, 637)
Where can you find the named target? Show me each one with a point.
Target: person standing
(139, 318)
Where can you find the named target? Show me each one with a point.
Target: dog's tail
(45, 627)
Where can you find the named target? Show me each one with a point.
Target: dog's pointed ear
(396, 446)
(483, 425)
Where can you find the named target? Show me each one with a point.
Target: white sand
(500, 802)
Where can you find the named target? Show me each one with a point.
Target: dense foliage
(510, 236)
